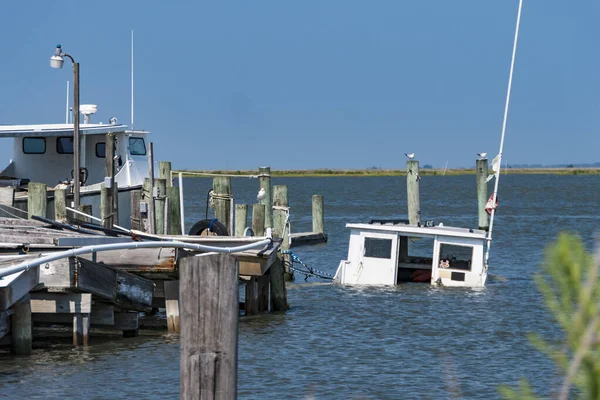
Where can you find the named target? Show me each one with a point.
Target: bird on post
(261, 194)
(482, 155)
(410, 156)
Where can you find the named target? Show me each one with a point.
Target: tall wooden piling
(258, 219)
(318, 220)
(482, 192)
(106, 206)
(164, 172)
(21, 327)
(87, 209)
(107, 190)
(281, 224)
(174, 211)
(60, 205)
(172, 305)
(412, 190)
(159, 206)
(209, 306)
(37, 202)
(136, 217)
(264, 181)
(151, 211)
(241, 219)
(222, 200)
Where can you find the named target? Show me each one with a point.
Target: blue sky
(317, 84)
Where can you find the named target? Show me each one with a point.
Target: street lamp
(57, 61)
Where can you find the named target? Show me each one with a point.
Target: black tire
(212, 224)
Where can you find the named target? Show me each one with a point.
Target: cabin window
(378, 248)
(101, 150)
(64, 145)
(34, 145)
(137, 146)
(456, 257)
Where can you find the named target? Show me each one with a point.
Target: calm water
(412, 341)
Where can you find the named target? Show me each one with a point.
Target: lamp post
(57, 61)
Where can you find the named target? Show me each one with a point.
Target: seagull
(482, 155)
(410, 156)
(261, 194)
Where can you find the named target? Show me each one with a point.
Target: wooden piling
(21, 327)
(258, 219)
(164, 172)
(136, 217)
(159, 206)
(281, 224)
(60, 205)
(318, 220)
(264, 181)
(148, 216)
(85, 208)
(172, 305)
(107, 192)
(81, 329)
(222, 200)
(7, 196)
(482, 192)
(412, 190)
(106, 206)
(241, 219)
(209, 305)
(37, 201)
(257, 295)
(278, 289)
(151, 211)
(174, 211)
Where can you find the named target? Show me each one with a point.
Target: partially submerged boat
(392, 252)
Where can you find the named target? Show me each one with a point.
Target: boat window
(34, 145)
(378, 248)
(456, 257)
(64, 145)
(101, 150)
(137, 146)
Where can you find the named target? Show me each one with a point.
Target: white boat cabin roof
(422, 230)
(48, 130)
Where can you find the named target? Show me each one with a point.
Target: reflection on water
(409, 341)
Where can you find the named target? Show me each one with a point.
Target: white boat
(44, 153)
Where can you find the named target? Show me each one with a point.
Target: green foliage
(571, 290)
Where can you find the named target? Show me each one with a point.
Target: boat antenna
(132, 79)
(495, 194)
(67, 109)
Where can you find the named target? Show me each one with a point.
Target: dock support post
(208, 292)
(60, 205)
(264, 180)
(258, 219)
(257, 295)
(164, 172)
(241, 219)
(106, 206)
(412, 190)
(482, 192)
(318, 220)
(174, 211)
(159, 206)
(281, 224)
(172, 305)
(222, 200)
(151, 211)
(21, 332)
(107, 190)
(81, 329)
(37, 202)
(85, 208)
(136, 218)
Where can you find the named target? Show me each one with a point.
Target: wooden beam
(61, 303)
(15, 286)
(101, 315)
(172, 305)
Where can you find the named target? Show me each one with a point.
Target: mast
(497, 180)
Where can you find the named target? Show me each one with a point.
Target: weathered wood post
(482, 192)
(164, 172)
(209, 305)
(318, 220)
(281, 225)
(174, 211)
(241, 219)
(151, 211)
(172, 305)
(60, 205)
(222, 200)
(37, 202)
(258, 219)
(136, 217)
(159, 206)
(264, 181)
(7, 196)
(106, 206)
(412, 190)
(85, 208)
(21, 331)
(107, 192)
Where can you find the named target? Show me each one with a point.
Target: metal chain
(309, 270)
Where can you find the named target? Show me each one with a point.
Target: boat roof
(46, 130)
(447, 231)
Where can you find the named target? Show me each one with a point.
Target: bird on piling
(482, 155)
(261, 194)
(410, 156)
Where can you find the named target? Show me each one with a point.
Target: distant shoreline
(390, 172)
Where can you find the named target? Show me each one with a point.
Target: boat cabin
(392, 253)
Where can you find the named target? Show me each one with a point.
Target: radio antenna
(132, 79)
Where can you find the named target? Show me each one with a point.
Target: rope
(229, 175)
(212, 196)
(287, 227)
(307, 271)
